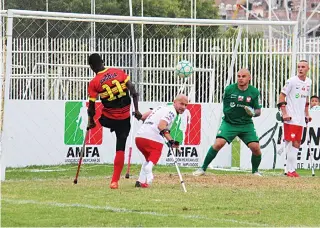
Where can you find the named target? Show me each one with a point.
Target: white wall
(34, 135)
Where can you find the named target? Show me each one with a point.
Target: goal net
(47, 75)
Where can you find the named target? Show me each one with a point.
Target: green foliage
(151, 8)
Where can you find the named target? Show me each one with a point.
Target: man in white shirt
(294, 105)
(315, 103)
(149, 139)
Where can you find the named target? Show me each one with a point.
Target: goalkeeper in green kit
(241, 102)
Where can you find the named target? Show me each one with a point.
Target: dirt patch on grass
(232, 181)
(242, 181)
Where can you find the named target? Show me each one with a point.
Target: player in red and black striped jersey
(114, 88)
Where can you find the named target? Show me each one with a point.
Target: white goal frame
(11, 14)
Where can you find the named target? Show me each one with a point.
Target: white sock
(143, 176)
(148, 172)
(295, 151)
(287, 146)
(292, 158)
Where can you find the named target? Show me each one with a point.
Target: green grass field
(46, 197)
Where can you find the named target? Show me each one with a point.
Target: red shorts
(292, 132)
(150, 149)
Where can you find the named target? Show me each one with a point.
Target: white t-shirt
(315, 108)
(297, 92)
(149, 128)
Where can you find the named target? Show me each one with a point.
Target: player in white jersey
(149, 139)
(294, 105)
(315, 103)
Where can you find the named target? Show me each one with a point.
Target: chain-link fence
(50, 58)
(47, 68)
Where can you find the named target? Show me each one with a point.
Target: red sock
(118, 165)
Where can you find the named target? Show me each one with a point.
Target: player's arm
(164, 131)
(256, 110)
(92, 104)
(252, 112)
(306, 111)
(134, 94)
(282, 103)
(282, 100)
(163, 128)
(145, 115)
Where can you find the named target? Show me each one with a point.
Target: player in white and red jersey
(294, 105)
(149, 139)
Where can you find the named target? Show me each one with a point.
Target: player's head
(96, 62)
(303, 68)
(314, 101)
(243, 77)
(180, 103)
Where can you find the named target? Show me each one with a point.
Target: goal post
(56, 60)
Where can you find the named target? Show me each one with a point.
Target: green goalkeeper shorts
(246, 132)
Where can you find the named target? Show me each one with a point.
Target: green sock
(255, 161)
(209, 157)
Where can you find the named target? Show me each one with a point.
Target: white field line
(124, 210)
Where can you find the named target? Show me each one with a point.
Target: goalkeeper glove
(249, 111)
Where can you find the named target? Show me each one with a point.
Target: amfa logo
(75, 124)
(186, 127)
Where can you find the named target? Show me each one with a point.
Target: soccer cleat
(114, 185)
(257, 174)
(293, 174)
(199, 172)
(141, 185)
(290, 174)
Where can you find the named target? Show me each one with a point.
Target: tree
(152, 8)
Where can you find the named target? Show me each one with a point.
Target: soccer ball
(184, 69)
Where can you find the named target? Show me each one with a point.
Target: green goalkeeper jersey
(234, 101)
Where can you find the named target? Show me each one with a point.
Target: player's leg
(155, 149)
(250, 138)
(292, 158)
(122, 129)
(154, 156)
(109, 123)
(141, 145)
(226, 134)
(293, 134)
(152, 152)
(255, 157)
(122, 133)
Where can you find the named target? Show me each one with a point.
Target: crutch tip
(75, 181)
(127, 176)
(313, 175)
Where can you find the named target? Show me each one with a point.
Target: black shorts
(119, 126)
